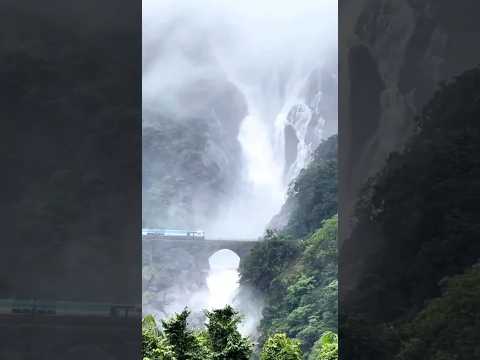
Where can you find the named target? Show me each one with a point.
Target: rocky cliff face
(192, 162)
(191, 119)
(312, 118)
(393, 56)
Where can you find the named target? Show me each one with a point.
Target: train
(34, 307)
(170, 234)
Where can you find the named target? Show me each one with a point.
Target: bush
(281, 347)
(326, 348)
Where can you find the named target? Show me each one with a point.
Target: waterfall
(217, 160)
(274, 103)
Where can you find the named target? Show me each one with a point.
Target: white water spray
(223, 278)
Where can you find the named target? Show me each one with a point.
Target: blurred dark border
(70, 259)
(409, 175)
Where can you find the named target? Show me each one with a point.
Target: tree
(268, 259)
(281, 347)
(321, 247)
(449, 326)
(313, 193)
(156, 348)
(326, 348)
(224, 340)
(219, 341)
(154, 344)
(185, 344)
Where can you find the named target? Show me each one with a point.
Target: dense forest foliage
(312, 196)
(177, 341)
(314, 191)
(296, 267)
(220, 340)
(299, 281)
(409, 259)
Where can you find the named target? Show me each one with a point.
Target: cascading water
(223, 279)
(272, 107)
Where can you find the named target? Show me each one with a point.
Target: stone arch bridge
(173, 270)
(192, 253)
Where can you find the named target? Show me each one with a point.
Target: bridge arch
(223, 278)
(174, 269)
(224, 259)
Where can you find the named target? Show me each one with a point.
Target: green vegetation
(313, 194)
(220, 341)
(326, 348)
(296, 267)
(183, 340)
(154, 344)
(299, 281)
(281, 347)
(268, 259)
(223, 339)
(417, 229)
(449, 326)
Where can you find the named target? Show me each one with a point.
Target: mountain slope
(296, 268)
(417, 222)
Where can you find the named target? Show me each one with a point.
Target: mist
(268, 51)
